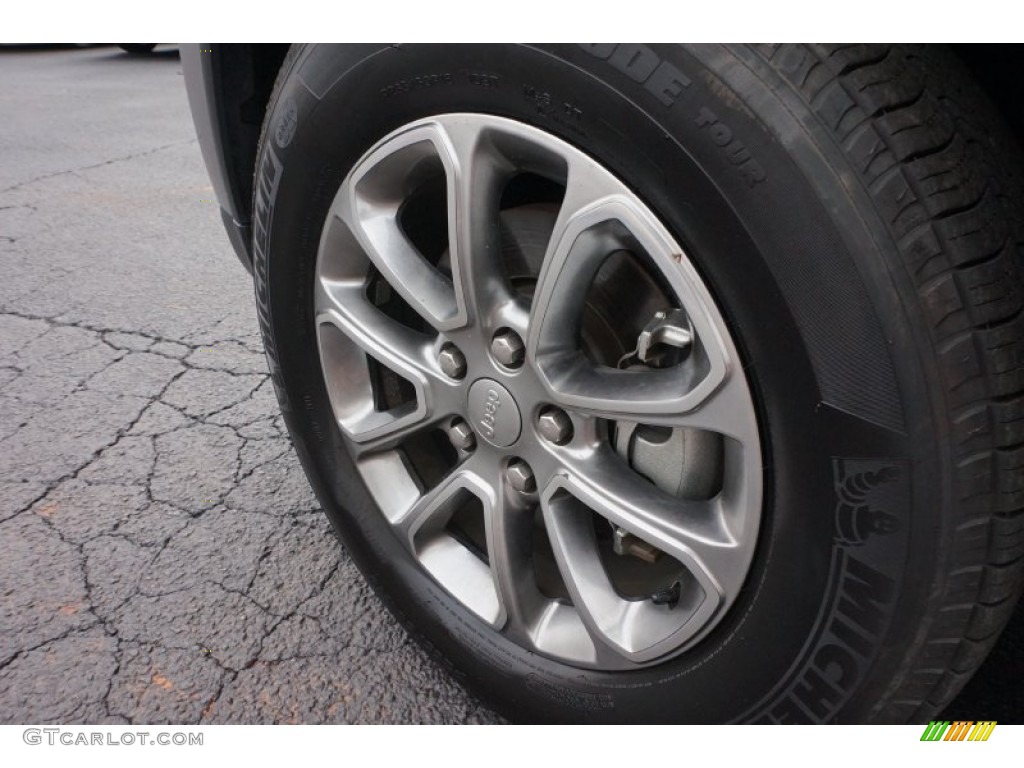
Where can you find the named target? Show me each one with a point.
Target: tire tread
(946, 178)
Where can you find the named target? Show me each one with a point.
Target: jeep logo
(491, 406)
(494, 413)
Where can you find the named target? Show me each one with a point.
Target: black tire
(137, 47)
(854, 211)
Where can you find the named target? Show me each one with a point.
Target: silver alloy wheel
(386, 377)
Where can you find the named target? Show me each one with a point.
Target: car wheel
(657, 383)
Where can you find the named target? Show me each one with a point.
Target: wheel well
(995, 68)
(244, 78)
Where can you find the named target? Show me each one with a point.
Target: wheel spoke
(647, 397)
(590, 228)
(351, 330)
(573, 256)
(476, 172)
(410, 353)
(694, 533)
(432, 507)
(455, 566)
(370, 204)
(510, 547)
(394, 433)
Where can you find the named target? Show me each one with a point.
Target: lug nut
(520, 476)
(452, 361)
(461, 435)
(508, 348)
(555, 425)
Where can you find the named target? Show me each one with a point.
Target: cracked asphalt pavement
(162, 558)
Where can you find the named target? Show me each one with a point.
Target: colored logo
(959, 730)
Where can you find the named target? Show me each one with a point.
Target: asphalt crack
(93, 166)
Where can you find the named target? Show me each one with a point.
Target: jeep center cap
(493, 413)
